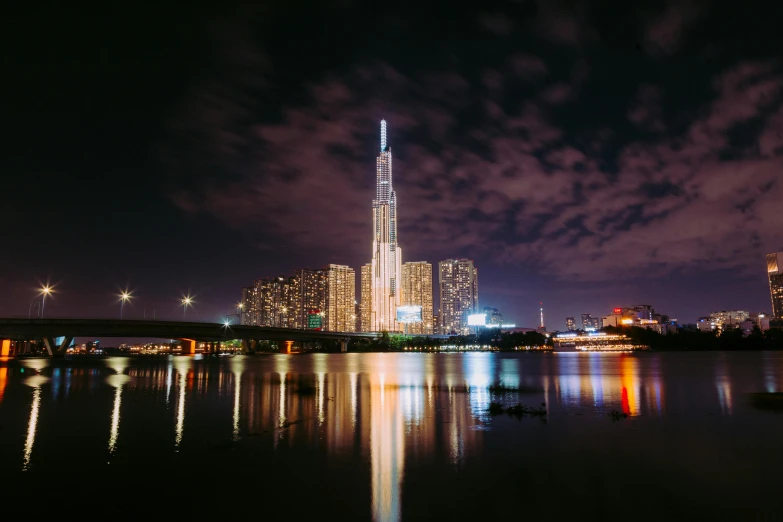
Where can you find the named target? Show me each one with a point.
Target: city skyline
(580, 162)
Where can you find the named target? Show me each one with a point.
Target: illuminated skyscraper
(385, 268)
(775, 273)
(417, 291)
(458, 281)
(340, 298)
(365, 306)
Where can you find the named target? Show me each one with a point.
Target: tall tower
(385, 268)
(775, 274)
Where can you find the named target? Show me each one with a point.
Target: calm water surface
(393, 437)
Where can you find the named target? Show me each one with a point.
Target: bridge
(190, 333)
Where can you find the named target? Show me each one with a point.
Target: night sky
(628, 153)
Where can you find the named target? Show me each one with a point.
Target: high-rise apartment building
(273, 298)
(340, 310)
(288, 302)
(417, 291)
(248, 309)
(775, 274)
(587, 321)
(458, 283)
(570, 324)
(385, 267)
(308, 293)
(365, 305)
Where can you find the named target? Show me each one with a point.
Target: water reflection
(387, 413)
(723, 386)
(118, 380)
(608, 381)
(183, 367)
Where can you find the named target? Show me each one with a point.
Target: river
(394, 436)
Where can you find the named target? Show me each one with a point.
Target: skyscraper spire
(385, 270)
(542, 314)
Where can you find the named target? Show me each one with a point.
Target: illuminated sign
(618, 310)
(314, 320)
(627, 321)
(409, 314)
(500, 325)
(477, 320)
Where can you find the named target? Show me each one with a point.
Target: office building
(417, 291)
(775, 275)
(570, 324)
(458, 283)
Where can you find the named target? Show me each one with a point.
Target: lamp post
(124, 296)
(186, 301)
(45, 291)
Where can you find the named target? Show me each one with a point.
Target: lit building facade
(308, 293)
(248, 311)
(458, 283)
(386, 264)
(775, 274)
(365, 305)
(570, 324)
(728, 319)
(417, 291)
(493, 315)
(587, 321)
(288, 302)
(340, 310)
(273, 298)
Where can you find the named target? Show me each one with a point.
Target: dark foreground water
(393, 437)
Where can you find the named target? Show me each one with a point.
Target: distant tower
(541, 328)
(386, 265)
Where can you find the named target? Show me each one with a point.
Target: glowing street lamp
(186, 301)
(44, 292)
(124, 296)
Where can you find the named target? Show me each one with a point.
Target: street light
(186, 301)
(45, 291)
(124, 296)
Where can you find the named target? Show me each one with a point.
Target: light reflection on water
(389, 410)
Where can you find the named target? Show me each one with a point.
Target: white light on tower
(383, 135)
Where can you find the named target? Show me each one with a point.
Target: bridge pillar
(53, 349)
(188, 347)
(343, 345)
(288, 346)
(249, 345)
(5, 348)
